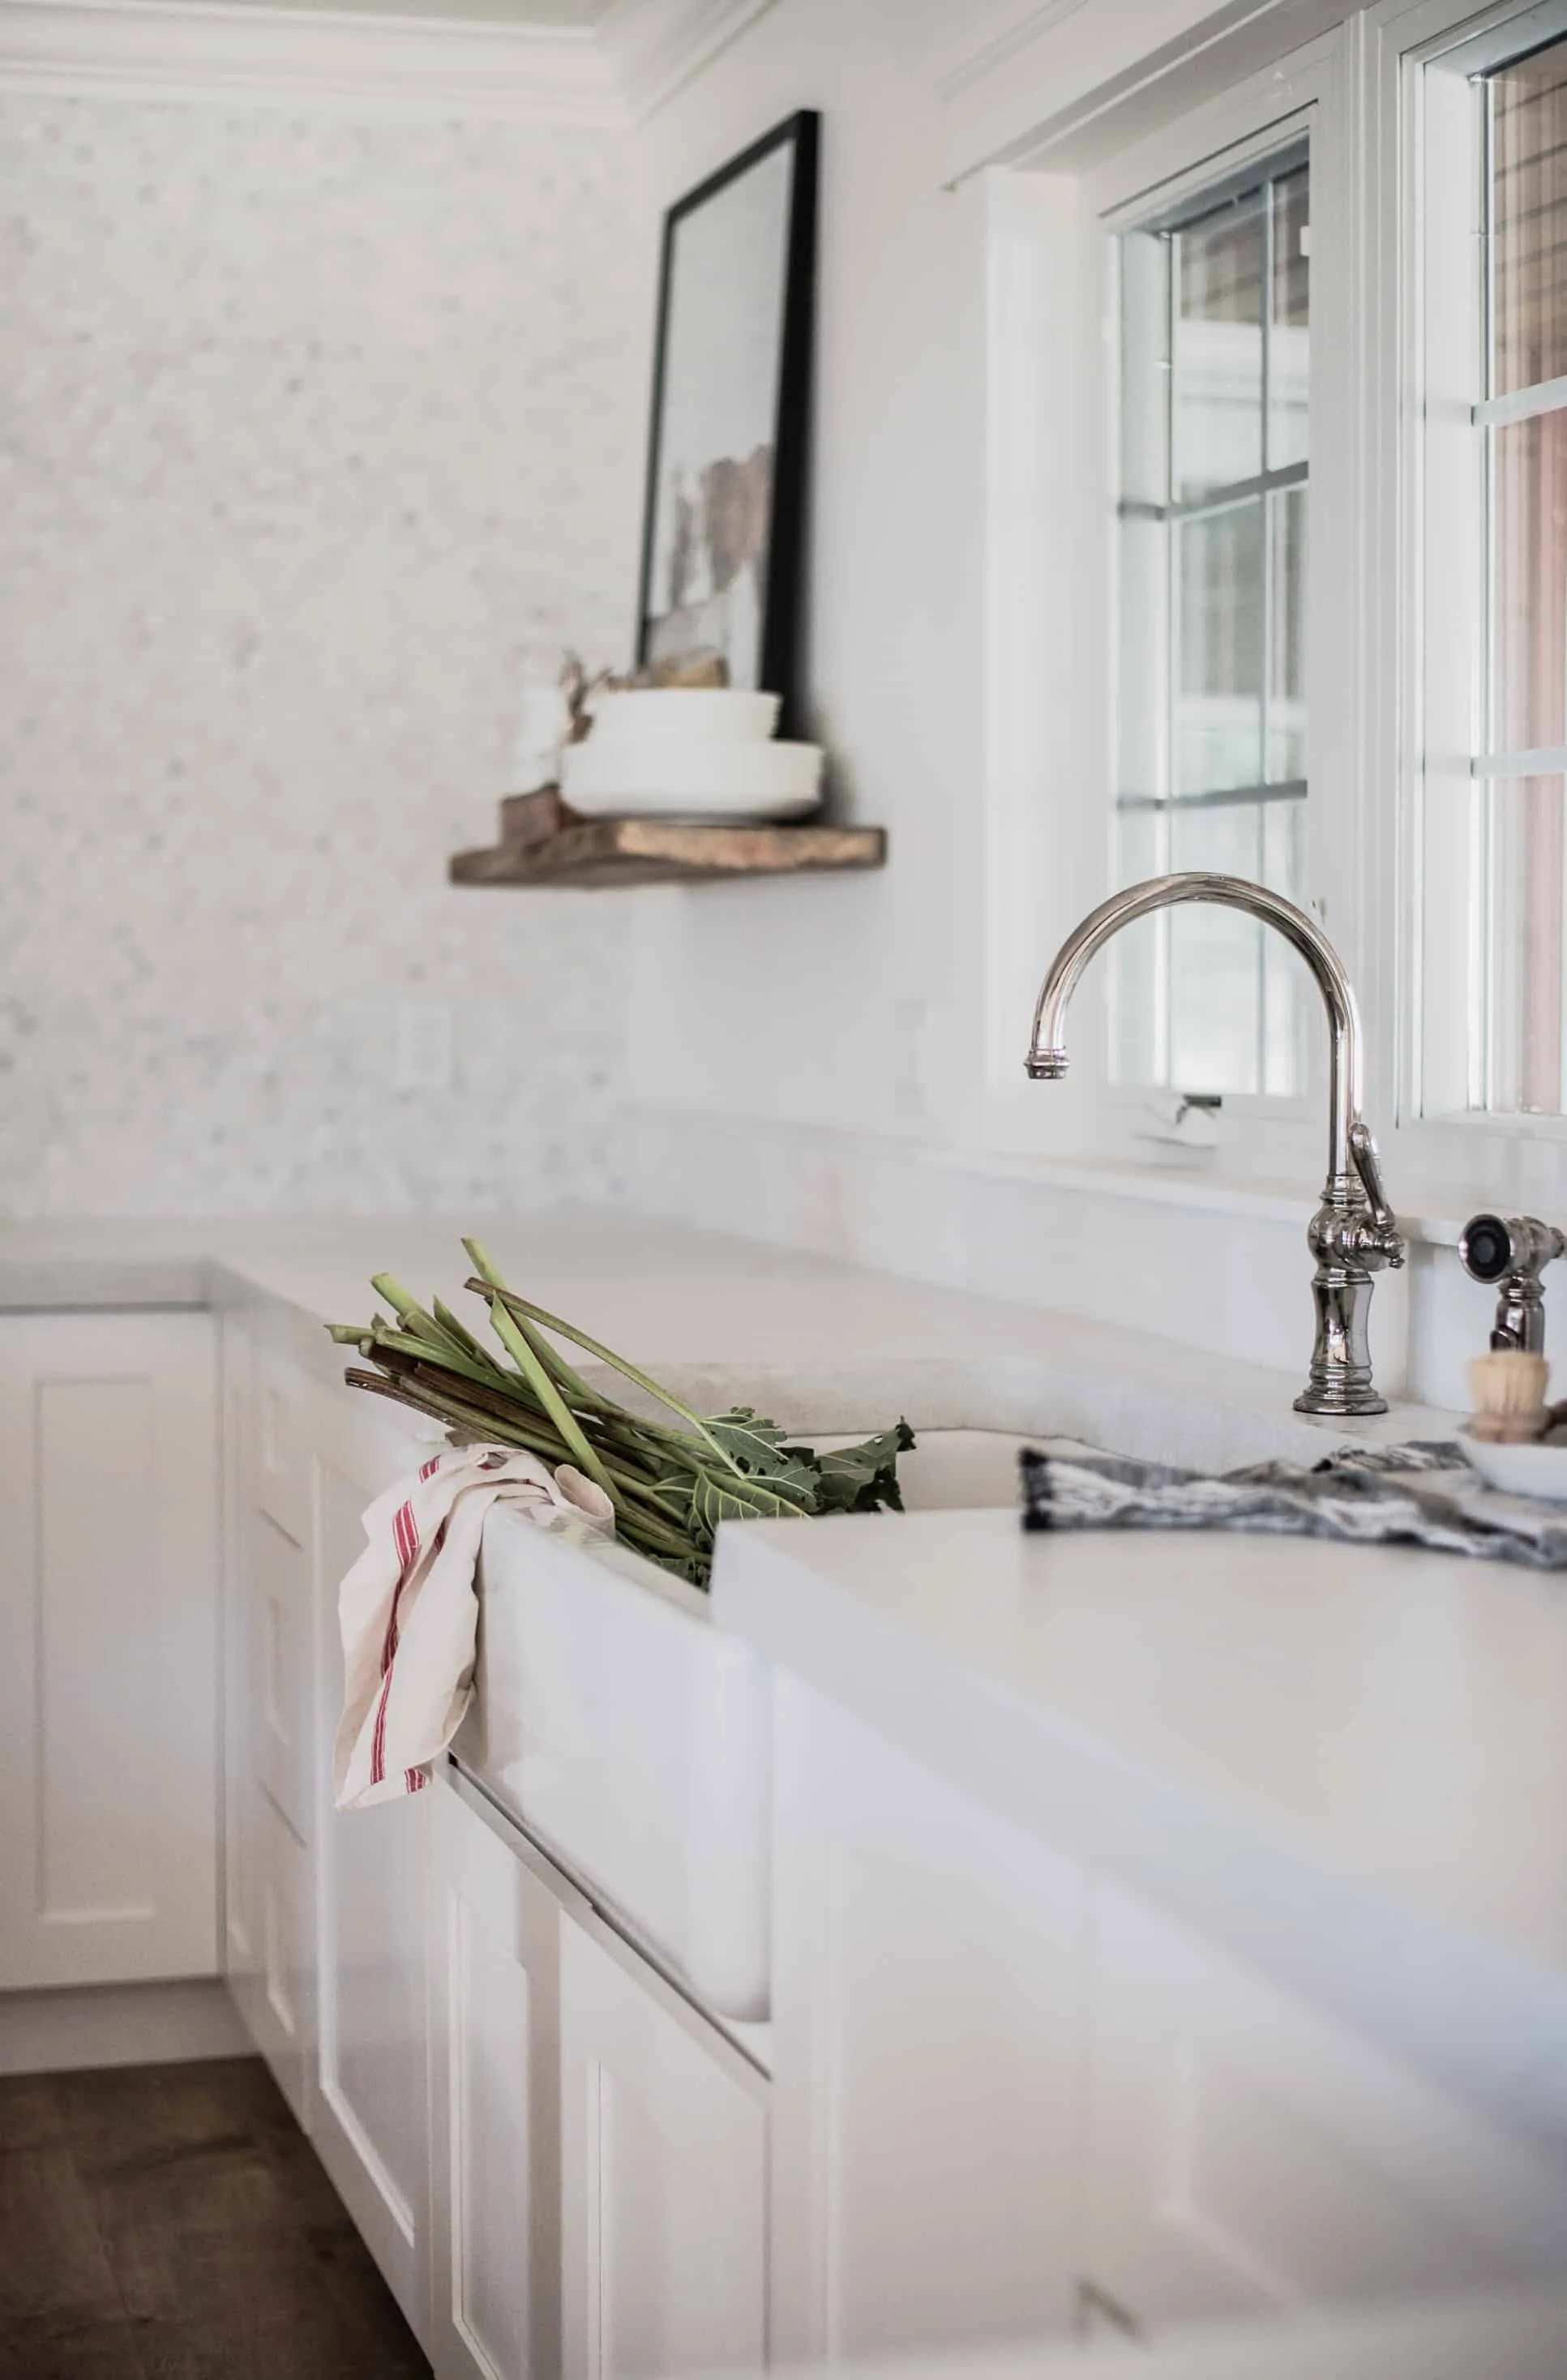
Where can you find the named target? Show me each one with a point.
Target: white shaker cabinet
(269, 1713)
(1247, 2154)
(108, 1614)
(325, 1948)
(372, 2118)
(280, 2005)
(926, 2036)
(664, 2178)
(495, 1993)
(599, 2164)
(241, 1897)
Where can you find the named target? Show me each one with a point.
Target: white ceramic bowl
(714, 714)
(1528, 1470)
(668, 778)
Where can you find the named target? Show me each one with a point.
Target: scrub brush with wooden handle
(1508, 1388)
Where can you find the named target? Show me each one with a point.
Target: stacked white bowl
(689, 752)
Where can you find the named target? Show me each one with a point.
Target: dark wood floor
(173, 2223)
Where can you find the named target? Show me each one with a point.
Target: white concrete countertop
(1350, 1764)
(1373, 1742)
(825, 1345)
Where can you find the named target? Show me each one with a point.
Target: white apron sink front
(631, 1736)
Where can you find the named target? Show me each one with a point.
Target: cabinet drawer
(279, 1682)
(1248, 2152)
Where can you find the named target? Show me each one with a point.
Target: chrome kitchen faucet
(1352, 1233)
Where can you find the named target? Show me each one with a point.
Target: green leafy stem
(671, 1482)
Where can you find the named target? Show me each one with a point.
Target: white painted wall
(838, 1001)
(810, 1060)
(316, 425)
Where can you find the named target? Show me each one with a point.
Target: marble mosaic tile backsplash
(313, 429)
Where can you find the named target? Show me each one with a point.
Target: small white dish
(707, 714)
(669, 777)
(1527, 1470)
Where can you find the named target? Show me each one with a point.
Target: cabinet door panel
(662, 2179)
(495, 2105)
(241, 1922)
(373, 2113)
(1247, 2153)
(927, 2045)
(278, 1654)
(282, 2010)
(108, 1603)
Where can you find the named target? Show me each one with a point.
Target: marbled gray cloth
(1424, 1494)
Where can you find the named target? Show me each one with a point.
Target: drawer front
(1246, 2152)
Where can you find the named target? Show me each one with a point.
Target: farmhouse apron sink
(631, 1736)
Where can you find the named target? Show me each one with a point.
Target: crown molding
(1045, 85)
(659, 45)
(613, 75)
(971, 50)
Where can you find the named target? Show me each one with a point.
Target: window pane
(1218, 692)
(1139, 966)
(1144, 645)
(1211, 693)
(1236, 991)
(1218, 340)
(1289, 337)
(1503, 852)
(1287, 994)
(1520, 921)
(1529, 583)
(1528, 226)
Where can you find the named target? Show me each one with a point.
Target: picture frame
(723, 536)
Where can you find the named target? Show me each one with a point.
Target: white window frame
(1386, 357)
(1067, 425)
(1444, 566)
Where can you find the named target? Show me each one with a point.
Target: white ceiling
(577, 14)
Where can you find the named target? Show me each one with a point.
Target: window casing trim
(1269, 117)
(1368, 90)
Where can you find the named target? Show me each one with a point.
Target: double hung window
(1518, 1053)
(1215, 309)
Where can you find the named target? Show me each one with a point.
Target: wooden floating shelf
(542, 842)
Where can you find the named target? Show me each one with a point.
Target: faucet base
(1349, 1244)
(1336, 1397)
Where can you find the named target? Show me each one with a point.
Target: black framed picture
(723, 529)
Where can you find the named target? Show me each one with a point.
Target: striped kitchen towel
(1420, 1494)
(409, 1612)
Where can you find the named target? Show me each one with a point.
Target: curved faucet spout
(1047, 1060)
(1352, 1232)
